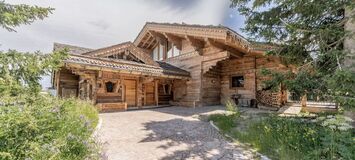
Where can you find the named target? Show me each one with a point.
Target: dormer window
(176, 51)
(161, 52)
(156, 53)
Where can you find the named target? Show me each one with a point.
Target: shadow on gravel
(188, 111)
(191, 139)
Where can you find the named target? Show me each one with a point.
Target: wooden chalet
(170, 64)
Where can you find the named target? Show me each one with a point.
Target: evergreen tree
(309, 35)
(20, 72)
(14, 15)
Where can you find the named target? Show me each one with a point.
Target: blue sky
(95, 24)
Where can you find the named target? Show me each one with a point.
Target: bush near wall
(45, 127)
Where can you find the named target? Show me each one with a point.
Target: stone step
(290, 110)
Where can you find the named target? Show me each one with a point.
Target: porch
(118, 85)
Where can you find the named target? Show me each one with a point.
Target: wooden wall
(135, 90)
(109, 97)
(67, 83)
(239, 66)
(250, 68)
(203, 88)
(211, 86)
(190, 62)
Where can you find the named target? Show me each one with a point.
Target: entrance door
(149, 94)
(131, 90)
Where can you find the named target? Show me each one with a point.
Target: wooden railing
(312, 99)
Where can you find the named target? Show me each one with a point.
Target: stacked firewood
(268, 98)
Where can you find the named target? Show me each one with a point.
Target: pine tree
(310, 35)
(14, 15)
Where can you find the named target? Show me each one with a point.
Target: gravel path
(164, 133)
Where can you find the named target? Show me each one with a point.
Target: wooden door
(131, 92)
(149, 94)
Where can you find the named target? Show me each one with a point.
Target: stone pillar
(349, 43)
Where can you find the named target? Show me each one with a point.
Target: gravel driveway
(164, 133)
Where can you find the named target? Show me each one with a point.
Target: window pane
(176, 51)
(170, 50)
(155, 53)
(237, 81)
(161, 52)
(170, 53)
(109, 86)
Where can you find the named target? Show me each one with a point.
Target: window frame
(155, 53)
(231, 81)
(113, 87)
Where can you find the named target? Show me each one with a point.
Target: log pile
(268, 98)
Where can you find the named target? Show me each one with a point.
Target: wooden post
(57, 77)
(123, 89)
(144, 94)
(255, 79)
(156, 92)
(87, 90)
(139, 92)
(94, 90)
(304, 100)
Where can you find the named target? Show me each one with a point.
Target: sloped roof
(104, 50)
(127, 66)
(137, 52)
(168, 68)
(186, 26)
(218, 33)
(71, 49)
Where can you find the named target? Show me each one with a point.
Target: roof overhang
(193, 33)
(122, 48)
(219, 36)
(121, 66)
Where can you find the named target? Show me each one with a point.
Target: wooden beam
(159, 37)
(57, 77)
(177, 41)
(197, 44)
(150, 43)
(234, 52)
(145, 40)
(156, 92)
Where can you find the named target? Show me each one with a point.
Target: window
(109, 86)
(237, 81)
(176, 51)
(161, 52)
(170, 50)
(156, 53)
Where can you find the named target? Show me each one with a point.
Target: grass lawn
(290, 138)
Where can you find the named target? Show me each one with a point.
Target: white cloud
(95, 24)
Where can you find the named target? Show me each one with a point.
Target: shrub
(232, 108)
(328, 137)
(291, 138)
(45, 127)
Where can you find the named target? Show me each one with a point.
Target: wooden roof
(121, 48)
(71, 49)
(220, 35)
(124, 66)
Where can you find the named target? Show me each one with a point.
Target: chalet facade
(170, 64)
